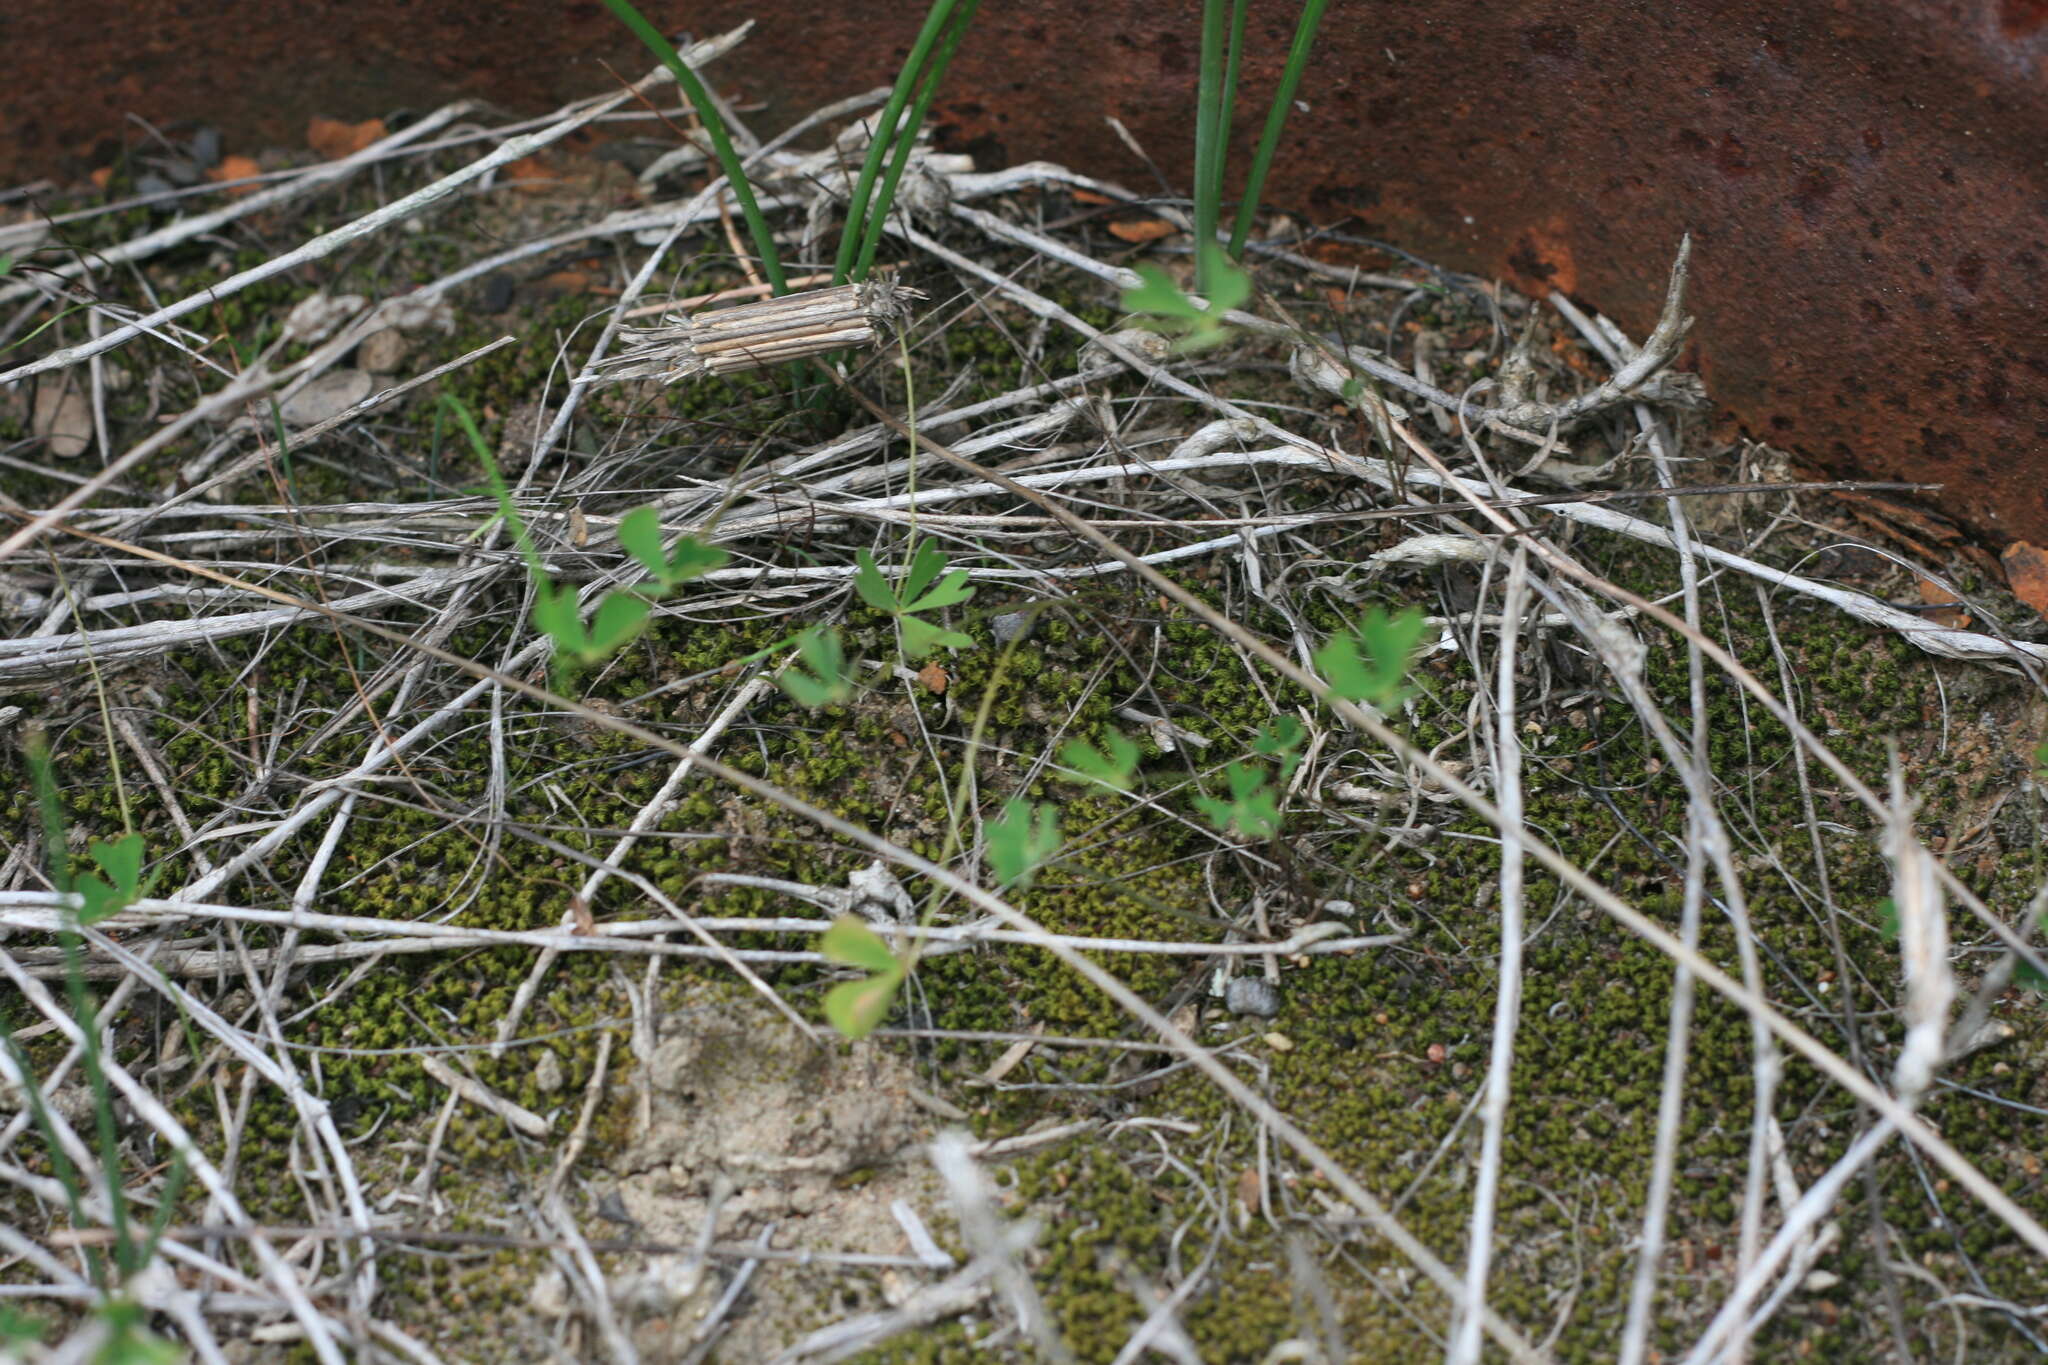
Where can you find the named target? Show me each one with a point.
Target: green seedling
(1021, 841)
(855, 1008)
(128, 1340)
(640, 536)
(1253, 809)
(121, 860)
(1160, 304)
(2041, 761)
(557, 612)
(1115, 765)
(926, 587)
(618, 619)
(1281, 741)
(1370, 663)
(827, 680)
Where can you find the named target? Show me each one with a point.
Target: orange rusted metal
(1866, 180)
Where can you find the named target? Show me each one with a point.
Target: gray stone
(331, 393)
(382, 351)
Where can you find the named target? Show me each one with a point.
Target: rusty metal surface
(1867, 180)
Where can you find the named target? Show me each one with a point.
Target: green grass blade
(1276, 119)
(1208, 149)
(60, 1161)
(878, 216)
(721, 141)
(857, 213)
(1233, 56)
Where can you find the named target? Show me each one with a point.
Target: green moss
(1387, 1049)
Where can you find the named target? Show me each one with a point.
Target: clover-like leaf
(1159, 296)
(555, 616)
(1021, 839)
(951, 590)
(640, 537)
(927, 562)
(1370, 663)
(1160, 303)
(851, 943)
(1281, 740)
(1114, 765)
(827, 681)
(921, 637)
(691, 558)
(620, 617)
(1252, 809)
(121, 860)
(855, 1008)
(869, 583)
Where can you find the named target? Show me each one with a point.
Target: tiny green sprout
(1370, 664)
(828, 680)
(1161, 305)
(121, 860)
(1021, 840)
(926, 587)
(2041, 761)
(1252, 810)
(1888, 917)
(619, 617)
(1281, 740)
(855, 1008)
(1115, 765)
(640, 534)
(6, 264)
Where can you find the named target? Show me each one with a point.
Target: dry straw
(751, 336)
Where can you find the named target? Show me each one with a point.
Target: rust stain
(1541, 260)
(1863, 178)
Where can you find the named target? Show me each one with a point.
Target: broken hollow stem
(751, 336)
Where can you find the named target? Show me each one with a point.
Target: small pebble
(382, 351)
(314, 318)
(1007, 626)
(1252, 995)
(547, 1073)
(331, 393)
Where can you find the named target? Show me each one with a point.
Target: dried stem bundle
(750, 336)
